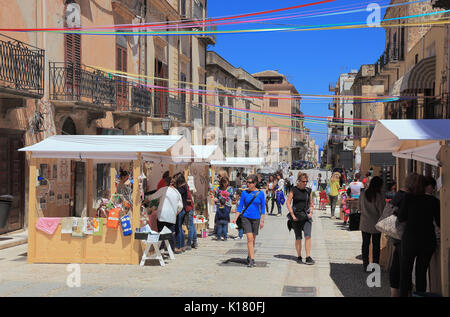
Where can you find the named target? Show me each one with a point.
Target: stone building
(60, 83)
(292, 143)
(234, 88)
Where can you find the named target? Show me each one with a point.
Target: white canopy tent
(239, 162)
(207, 153)
(413, 139)
(171, 148)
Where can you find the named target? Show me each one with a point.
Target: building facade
(68, 83)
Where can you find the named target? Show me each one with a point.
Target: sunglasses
(250, 182)
(300, 181)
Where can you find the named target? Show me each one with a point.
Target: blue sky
(311, 60)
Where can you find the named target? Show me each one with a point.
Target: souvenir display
(126, 225)
(98, 226)
(113, 218)
(77, 227)
(66, 225)
(47, 225)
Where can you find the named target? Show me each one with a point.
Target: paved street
(216, 268)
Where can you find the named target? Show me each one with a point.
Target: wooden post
(135, 220)
(112, 175)
(213, 172)
(186, 171)
(32, 211)
(445, 221)
(171, 170)
(89, 187)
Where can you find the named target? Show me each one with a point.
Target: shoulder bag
(389, 224)
(239, 219)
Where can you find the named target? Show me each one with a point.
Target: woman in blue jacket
(252, 207)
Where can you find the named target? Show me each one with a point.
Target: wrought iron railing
(133, 97)
(196, 112)
(177, 108)
(212, 118)
(76, 82)
(21, 66)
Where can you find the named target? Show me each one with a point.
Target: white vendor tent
(412, 139)
(113, 147)
(207, 153)
(239, 162)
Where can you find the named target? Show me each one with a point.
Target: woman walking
(269, 191)
(334, 192)
(371, 204)
(356, 186)
(300, 201)
(252, 208)
(278, 192)
(418, 211)
(170, 204)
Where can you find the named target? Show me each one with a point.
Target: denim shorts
(250, 225)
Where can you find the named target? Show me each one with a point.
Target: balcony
(211, 118)
(196, 112)
(332, 87)
(81, 87)
(177, 108)
(21, 73)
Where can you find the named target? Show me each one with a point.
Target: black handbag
(239, 219)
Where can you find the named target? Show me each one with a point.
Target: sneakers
(194, 245)
(279, 215)
(188, 248)
(333, 217)
(309, 261)
(238, 238)
(251, 263)
(222, 238)
(299, 260)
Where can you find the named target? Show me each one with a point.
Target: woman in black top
(418, 211)
(300, 199)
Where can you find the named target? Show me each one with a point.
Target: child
(345, 208)
(223, 218)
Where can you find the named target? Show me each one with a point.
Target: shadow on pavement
(235, 261)
(286, 257)
(352, 281)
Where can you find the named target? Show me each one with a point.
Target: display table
(157, 254)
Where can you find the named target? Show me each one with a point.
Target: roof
(239, 162)
(268, 73)
(112, 147)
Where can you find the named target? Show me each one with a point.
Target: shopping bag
(113, 218)
(391, 227)
(126, 225)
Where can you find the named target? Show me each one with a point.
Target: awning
(414, 138)
(113, 147)
(428, 153)
(239, 162)
(417, 79)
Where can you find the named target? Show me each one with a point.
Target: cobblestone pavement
(216, 268)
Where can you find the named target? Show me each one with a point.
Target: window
(273, 102)
(121, 65)
(72, 61)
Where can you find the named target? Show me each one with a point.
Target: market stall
(232, 162)
(423, 141)
(49, 242)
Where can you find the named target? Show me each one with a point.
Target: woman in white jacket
(170, 204)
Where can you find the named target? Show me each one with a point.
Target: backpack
(190, 202)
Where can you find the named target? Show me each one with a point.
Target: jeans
(376, 237)
(192, 234)
(333, 203)
(179, 231)
(268, 197)
(222, 229)
(240, 233)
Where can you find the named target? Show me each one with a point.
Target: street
(216, 268)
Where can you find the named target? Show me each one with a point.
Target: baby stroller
(323, 202)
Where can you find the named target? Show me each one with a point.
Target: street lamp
(166, 122)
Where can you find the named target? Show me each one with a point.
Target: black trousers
(410, 251)
(171, 227)
(394, 272)
(376, 237)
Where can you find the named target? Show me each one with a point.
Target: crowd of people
(416, 208)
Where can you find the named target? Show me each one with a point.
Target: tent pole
(112, 179)
(445, 221)
(136, 217)
(32, 211)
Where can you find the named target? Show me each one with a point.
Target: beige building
(55, 83)
(285, 100)
(233, 88)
